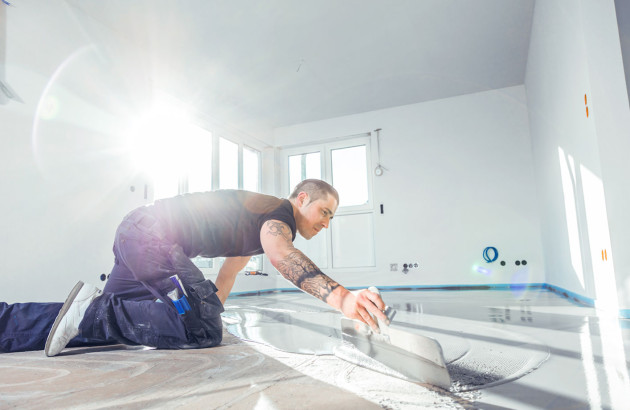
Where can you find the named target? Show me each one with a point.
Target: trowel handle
(389, 312)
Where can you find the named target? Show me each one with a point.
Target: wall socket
(393, 267)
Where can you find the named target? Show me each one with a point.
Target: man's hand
(275, 237)
(364, 306)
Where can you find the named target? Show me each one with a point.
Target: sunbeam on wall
(567, 172)
(585, 204)
(599, 239)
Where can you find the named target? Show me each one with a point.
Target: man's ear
(302, 198)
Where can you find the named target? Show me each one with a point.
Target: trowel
(418, 358)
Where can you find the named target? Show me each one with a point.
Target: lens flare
(482, 270)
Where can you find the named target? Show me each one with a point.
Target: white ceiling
(262, 64)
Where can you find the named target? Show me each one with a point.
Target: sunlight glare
(166, 145)
(599, 238)
(568, 188)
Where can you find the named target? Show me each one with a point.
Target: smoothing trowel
(418, 358)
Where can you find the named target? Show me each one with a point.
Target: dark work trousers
(127, 312)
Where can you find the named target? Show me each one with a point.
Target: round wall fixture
(490, 254)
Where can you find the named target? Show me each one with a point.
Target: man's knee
(203, 322)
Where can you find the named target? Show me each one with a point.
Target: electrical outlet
(393, 267)
(408, 266)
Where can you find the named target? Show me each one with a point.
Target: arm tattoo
(281, 229)
(300, 270)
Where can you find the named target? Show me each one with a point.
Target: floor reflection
(494, 336)
(478, 355)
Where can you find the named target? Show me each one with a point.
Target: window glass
(255, 263)
(188, 168)
(304, 166)
(228, 164)
(200, 164)
(166, 186)
(251, 169)
(202, 262)
(349, 175)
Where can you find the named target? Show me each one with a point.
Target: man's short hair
(316, 189)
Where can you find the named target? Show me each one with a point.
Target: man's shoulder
(263, 203)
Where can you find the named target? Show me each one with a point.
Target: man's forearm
(227, 275)
(302, 272)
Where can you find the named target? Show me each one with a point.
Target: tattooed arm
(276, 239)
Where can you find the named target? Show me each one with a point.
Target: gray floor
(505, 350)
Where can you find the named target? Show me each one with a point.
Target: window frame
(325, 148)
(351, 143)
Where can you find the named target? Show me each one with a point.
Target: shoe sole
(64, 309)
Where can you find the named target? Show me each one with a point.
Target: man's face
(314, 216)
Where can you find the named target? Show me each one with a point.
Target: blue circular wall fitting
(490, 254)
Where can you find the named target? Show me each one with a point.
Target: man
(145, 303)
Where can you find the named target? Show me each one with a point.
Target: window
(179, 164)
(165, 186)
(251, 182)
(251, 169)
(349, 242)
(200, 168)
(183, 157)
(350, 175)
(304, 166)
(202, 262)
(238, 166)
(228, 164)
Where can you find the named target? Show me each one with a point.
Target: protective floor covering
(235, 375)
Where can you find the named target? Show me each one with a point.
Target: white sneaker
(66, 325)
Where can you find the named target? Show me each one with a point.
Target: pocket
(204, 294)
(204, 289)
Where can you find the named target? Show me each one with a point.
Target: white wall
(65, 183)
(575, 50)
(67, 171)
(460, 178)
(461, 171)
(3, 19)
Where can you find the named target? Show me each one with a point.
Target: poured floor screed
(508, 349)
(491, 339)
(477, 356)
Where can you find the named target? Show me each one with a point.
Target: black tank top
(220, 223)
